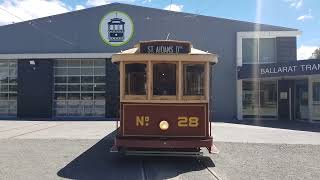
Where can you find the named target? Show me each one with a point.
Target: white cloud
(305, 52)
(146, 1)
(13, 11)
(79, 7)
(295, 3)
(18, 10)
(103, 2)
(305, 17)
(174, 7)
(98, 2)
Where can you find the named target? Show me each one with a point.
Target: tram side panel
(185, 120)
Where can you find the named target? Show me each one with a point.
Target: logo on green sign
(116, 28)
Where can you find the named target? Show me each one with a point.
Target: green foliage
(316, 54)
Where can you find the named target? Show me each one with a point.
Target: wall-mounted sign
(290, 68)
(116, 28)
(165, 47)
(283, 95)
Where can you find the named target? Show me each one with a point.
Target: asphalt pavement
(80, 150)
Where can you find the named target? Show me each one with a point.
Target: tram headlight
(164, 125)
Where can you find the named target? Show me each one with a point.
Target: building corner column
(239, 100)
(310, 91)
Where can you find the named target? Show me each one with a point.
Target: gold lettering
(146, 119)
(142, 120)
(193, 122)
(188, 122)
(182, 121)
(139, 120)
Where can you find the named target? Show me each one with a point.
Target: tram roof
(134, 54)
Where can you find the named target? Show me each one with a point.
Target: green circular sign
(116, 28)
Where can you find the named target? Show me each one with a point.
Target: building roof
(78, 31)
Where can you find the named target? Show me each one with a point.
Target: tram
(116, 30)
(164, 99)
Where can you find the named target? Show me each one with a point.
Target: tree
(316, 54)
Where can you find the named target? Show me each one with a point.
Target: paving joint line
(21, 127)
(34, 131)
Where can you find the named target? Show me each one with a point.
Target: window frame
(167, 97)
(257, 84)
(205, 83)
(258, 50)
(9, 106)
(178, 98)
(134, 97)
(66, 107)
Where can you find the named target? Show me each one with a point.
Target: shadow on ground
(98, 163)
(281, 124)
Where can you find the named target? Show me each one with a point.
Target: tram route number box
(161, 47)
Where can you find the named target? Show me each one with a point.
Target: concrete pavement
(222, 132)
(80, 150)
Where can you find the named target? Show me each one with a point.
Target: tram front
(164, 98)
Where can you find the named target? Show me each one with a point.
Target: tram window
(193, 79)
(135, 79)
(164, 79)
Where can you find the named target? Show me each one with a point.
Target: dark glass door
(301, 100)
(285, 99)
(268, 99)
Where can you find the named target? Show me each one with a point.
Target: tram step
(162, 153)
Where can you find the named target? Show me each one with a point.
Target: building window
(79, 87)
(267, 48)
(135, 82)
(193, 79)
(316, 100)
(262, 50)
(249, 51)
(250, 101)
(164, 79)
(8, 87)
(268, 99)
(259, 99)
(301, 97)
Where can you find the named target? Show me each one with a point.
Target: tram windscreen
(135, 79)
(164, 79)
(193, 79)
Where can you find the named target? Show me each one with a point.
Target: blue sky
(300, 14)
(275, 12)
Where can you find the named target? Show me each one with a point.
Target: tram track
(199, 161)
(143, 170)
(204, 165)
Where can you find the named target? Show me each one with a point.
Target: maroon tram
(164, 99)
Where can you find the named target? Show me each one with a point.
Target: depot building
(59, 67)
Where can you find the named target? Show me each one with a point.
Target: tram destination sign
(293, 68)
(165, 47)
